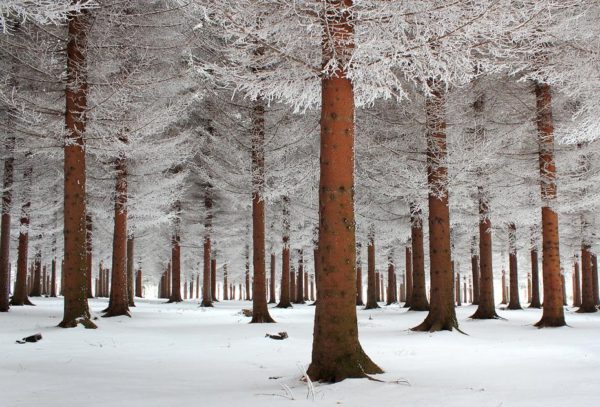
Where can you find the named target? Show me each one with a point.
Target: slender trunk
(486, 308)
(595, 279)
(576, 285)
(372, 278)
(587, 294)
(272, 299)
(284, 298)
(336, 352)
(553, 312)
(206, 272)
(89, 247)
(226, 290)
(36, 287)
(130, 271)
(138, 284)
(300, 279)
(458, 292)
(514, 302)
(9, 165)
(213, 276)
(20, 296)
(475, 277)
(419, 290)
(409, 276)
(391, 288)
(118, 303)
(247, 275)
(76, 308)
(535, 285)
(441, 314)
(293, 284)
(174, 270)
(504, 288)
(359, 278)
(53, 279)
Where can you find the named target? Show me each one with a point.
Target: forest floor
(172, 355)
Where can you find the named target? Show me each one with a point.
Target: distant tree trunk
(391, 287)
(475, 273)
(20, 296)
(272, 299)
(198, 285)
(336, 352)
(535, 285)
(36, 288)
(587, 294)
(458, 293)
(553, 312)
(130, 270)
(284, 297)
(138, 284)
(372, 278)
(514, 302)
(299, 297)
(293, 280)
(564, 289)
(359, 278)
(576, 285)
(206, 272)
(441, 314)
(89, 247)
(226, 290)
(418, 301)
(486, 308)
(53, 279)
(595, 279)
(5, 233)
(247, 275)
(213, 276)
(409, 276)
(504, 288)
(76, 308)
(118, 303)
(174, 270)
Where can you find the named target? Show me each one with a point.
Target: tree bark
(36, 286)
(9, 165)
(595, 279)
(359, 282)
(391, 286)
(419, 300)
(336, 352)
(299, 297)
(409, 276)
(553, 312)
(89, 247)
(576, 285)
(272, 299)
(138, 284)
(475, 276)
(76, 308)
(174, 282)
(284, 298)
(53, 279)
(587, 293)
(535, 285)
(207, 299)
(514, 302)
(213, 276)
(441, 314)
(372, 278)
(20, 296)
(131, 282)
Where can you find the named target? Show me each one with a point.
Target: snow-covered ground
(181, 355)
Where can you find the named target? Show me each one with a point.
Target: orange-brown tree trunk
(587, 293)
(514, 302)
(359, 277)
(419, 300)
(20, 296)
(207, 300)
(174, 270)
(372, 278)
(486, 308)
(535, 284)
(9, 165)
(284, 297)
(76, 308)
(408, 276)
(441, 314)
(118, 303)
(130, 271)
(260, 310)
(553, 312)
(336, 352)
(272, 299)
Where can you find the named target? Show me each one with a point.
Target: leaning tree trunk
(272, 299)
(487, 306)
(284, 297)
(553, 312)
(20, 296)
(359, 283)
(206, 272)
(441, 314)
(587, 294)
(419, 291)
(372, 279)
(260, 310)
(336, 352)
(76, 308)
(174, 282)
(535, 284)
(118, 303)
(9, 165)
(514, 302)
(131, 281)
(409, 276)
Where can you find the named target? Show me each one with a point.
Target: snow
(180, 354)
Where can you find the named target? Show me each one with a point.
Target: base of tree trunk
(435, 324)
(536, 305)
(207, 304)
(20, 303)
(485, 314)
(514, 306)
(358, 303)
(314, 304)
(357, 366)
(171, 300)
(116, 313)
(284, 305)
(419, 308)
(261, 319)
(72, 323)
(372, 306)
(587, 309)
(547, 322)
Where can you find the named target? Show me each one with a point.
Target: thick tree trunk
(36, 286)
(409, 276)
(118, 303)
(487, 307)
(441, 314)
(372, 278)
(284, 297)
(535, 285)
(20, 296)
(553, 312)
(336, 352)
(130, 271)
(514, 302)
(76, 308)
(174, 270)
(272, 299)
(419, 290)
(587, 293)
(5, 223)
(299, 297)
(359, 277)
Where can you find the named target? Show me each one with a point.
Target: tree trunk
(76, 308)
(504, 288)
(130, 271)
(36, 287)
(89, 247)
(595, 279)
(9, 165)
(391, 288)
(272, 299)
(299, 297)
(587, 293)
(441, 314)
(138, 284)
(409, 276)
(359, 277)
(118, 303)
(174, 270)
(486, 308)
(247, 275)
(514, 302)
(535, 285)
(458, 292)
(372, 278)
(53, 279)
(293, 284)
(213, 277)
(336, 352)
(206, 271)
(20, 296)
(419, 290)
(475, 276)
(284, 298)
(576, 285)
